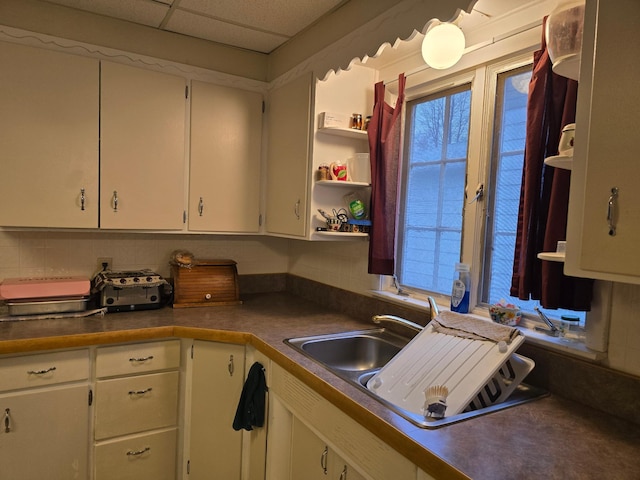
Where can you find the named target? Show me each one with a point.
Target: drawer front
(138, 457)
(137, 358)
(134, 404)
(43, 369)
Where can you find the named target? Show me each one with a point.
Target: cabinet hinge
(90, 397)
(263, 106)
(186, 91)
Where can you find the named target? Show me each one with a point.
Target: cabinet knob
(207, 296)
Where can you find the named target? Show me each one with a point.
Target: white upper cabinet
(298, 146)
(224, 177)
(289, 116)
(142, 144)
(48, 138)
(603, 230)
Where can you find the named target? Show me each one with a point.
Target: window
(437, 167)
(430, 233)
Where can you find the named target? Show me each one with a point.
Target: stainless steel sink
(352, 351)
(356, 356)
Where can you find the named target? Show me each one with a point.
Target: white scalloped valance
(401, 22)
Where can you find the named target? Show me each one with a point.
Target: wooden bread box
(205, 283)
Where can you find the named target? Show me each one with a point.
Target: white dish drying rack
(477, 373)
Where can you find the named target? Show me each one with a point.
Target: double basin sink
(356, 356)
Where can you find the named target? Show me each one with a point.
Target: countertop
(549, 438)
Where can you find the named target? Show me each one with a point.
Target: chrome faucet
(433, 308)
(553, 330)
(377, 319)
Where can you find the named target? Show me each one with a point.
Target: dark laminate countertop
(550, 438)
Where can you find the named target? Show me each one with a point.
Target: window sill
(570, 347)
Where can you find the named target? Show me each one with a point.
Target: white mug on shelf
(567, 139)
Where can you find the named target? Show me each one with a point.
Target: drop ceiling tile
(285, 17)
(204, 27)
(146, 12)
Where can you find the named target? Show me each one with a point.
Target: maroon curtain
(544, 196)
(384, 149)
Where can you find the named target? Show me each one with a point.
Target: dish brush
(435, 402)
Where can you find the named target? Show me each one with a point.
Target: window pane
(506, 180)
(430, 231)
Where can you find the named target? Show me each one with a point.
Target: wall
(51, 253)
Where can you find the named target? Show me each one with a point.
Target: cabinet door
(142, 145)
(341, 470)
(224, 171)
(312, 458)
(309, 454)
(605, 154)
(217, 380)
(48, 138)
(289, 116)
(48, 434)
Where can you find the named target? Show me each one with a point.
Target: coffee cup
(567, 139)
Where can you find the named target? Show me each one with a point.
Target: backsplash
(338, 264)
(29, 254)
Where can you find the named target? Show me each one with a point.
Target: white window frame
(483, 78)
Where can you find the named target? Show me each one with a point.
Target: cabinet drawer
(138, 457)
(134, 404)
(43, 369)
(137, 358)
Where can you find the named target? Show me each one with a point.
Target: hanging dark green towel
(251, 408)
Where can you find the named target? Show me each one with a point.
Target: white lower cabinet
(308, 436)
(215, 448)
(312, 459)
(45, 430)
(136, 411)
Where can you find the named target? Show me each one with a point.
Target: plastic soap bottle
(461, 288)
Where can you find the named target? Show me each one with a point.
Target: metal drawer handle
(82, 199)
(230, 366)
(200, 207)
(343, 475)
(296, 209)
(114, 201)
(135, 453)
(7, 420)
(141, 359)
(41, 372)
(323, 459)
(611, 211)
(140, 392)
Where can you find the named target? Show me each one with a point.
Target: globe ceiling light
(443, 45)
